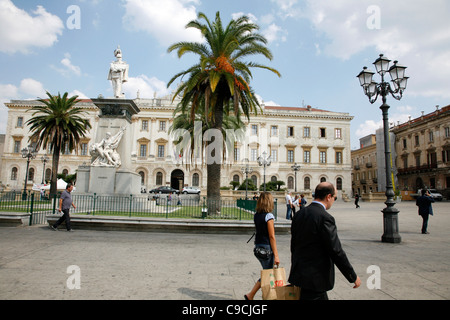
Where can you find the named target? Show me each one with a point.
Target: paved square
(143, 265)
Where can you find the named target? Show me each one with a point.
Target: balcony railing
(422, 168)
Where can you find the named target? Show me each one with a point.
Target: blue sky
(319, 46)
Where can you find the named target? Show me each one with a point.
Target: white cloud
(164, 20)
(32, 89)
(275, 33)
(20, 31)
(68, 64)
(416, 35)
(147, 87)
(78, 93)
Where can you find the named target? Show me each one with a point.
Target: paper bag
(289, 292)
(271, 279)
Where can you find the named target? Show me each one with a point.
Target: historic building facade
(423, 151)
(364, 164)
(315, 139)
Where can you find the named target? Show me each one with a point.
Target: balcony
(418, 169)
(369, 165)
(356, 167)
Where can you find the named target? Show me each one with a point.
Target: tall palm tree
(57, 124)
(221, 78)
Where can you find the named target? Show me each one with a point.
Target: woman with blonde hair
(265, 243)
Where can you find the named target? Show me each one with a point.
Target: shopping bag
(288, 292)
(270, 280)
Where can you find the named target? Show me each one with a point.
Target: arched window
(290, 183)
(65, 172)
(323, 179)
(142, 174)
(159, 178)
(236, 178)
(307, 183)
(48, 174)
(31, 174)
(339, 183)
(255, 180)
(14, 173)
(273, 179)
(195, 180)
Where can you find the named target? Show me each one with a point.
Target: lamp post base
(390, 225)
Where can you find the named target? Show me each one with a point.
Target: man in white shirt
(288, 206)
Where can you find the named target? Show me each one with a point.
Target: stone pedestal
(108, 180)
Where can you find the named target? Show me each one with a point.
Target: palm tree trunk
(214, 169)
(55, 163)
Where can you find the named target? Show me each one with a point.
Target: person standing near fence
(65, 202)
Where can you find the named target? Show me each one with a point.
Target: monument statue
(104, 153)
(118, 73)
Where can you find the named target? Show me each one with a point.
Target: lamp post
(29, 153)
(246, 170)
(373, 90)
(44, 160)
(264, 161)
(295, 167)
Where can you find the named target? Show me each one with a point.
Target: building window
(323, 179)
(14, 174)
(195, 180)
(16, 146)
(162, 125)
(237, 154)
(447, 132)
(160, 151)
(143, 150)
(339, 183)
(19, 122)
(307, 156)
(338, 133)
(31, 174)
(144, 126)
(84, 149)
(254, 129)
(142, 174)
(404, 143)
(273, 131)
(236, 178)
(254, 154)
(290, 183)
(274, 155)
(48, 174)
(159, 178)
(306, 132)
(430, 136)
(322, 157)
(416, 141)
(290, 131)
(254, 180)
(290, 156)
(338, 157)
(322, 133)
(307, 183)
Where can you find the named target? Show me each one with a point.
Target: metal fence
(131, 206)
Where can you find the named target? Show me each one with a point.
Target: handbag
(288, 292)
(262, 253)
(270, 280)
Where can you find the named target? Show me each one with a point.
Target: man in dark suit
(425, 208)
(316, 248)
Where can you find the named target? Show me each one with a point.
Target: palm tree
(57, 125)
(221, 78)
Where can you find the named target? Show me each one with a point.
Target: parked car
(164, 189)
(194, 190)
(434, 194)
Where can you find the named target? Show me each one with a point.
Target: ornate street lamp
(373, 90)
(29, 153)
(295, 167)
(264, 161)
(246, 170)
(44, 160)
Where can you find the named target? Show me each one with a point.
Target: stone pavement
(34, 261)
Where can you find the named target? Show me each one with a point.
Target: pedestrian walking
(316, 248)
(425, 209)
(357, 200)
(288, 206)
(265, 248)
(65, 202)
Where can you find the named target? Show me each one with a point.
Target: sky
(318, 46)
